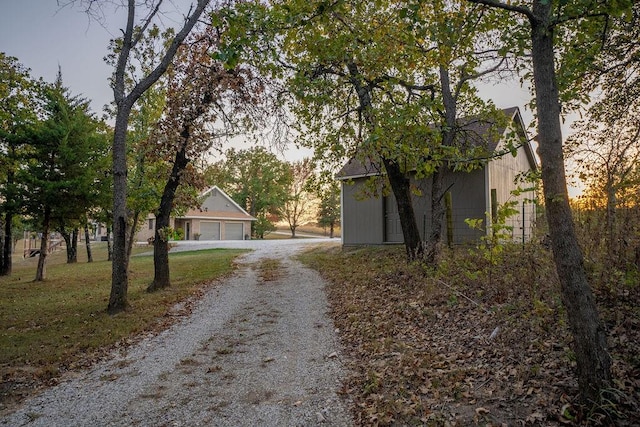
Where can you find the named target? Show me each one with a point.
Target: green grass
(45, 326)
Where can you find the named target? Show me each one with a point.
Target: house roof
(203, 213)
(477, 132)
(197, 214)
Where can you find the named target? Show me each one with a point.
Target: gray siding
(502, 174)
(363, 223)
(217, 202)
(468, 200)
(376, 221)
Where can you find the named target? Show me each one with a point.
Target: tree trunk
(6, 262)
(612, 247)
(67, 242)
(71, 242)
(400, 184)
(9, 210)
(590, 344)
(2, 247)
(109, 245)
(331, 230)
(161, 273)
(438, 209)
(74, 245)
(432, 245)
(41, 271)
(131, 234)
(87, 242)
(2, 240)
(119, 270)
(161, 278)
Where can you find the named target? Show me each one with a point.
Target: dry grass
(270, 270)
(307, 228)
(313, 228)
(469, 342)
(61, 323)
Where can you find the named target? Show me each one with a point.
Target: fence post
(524, 228)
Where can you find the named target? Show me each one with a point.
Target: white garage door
(233, 231)
(209, 231)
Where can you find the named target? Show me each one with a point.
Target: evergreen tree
(66, 158)
(19, 99)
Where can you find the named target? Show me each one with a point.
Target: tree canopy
(63, 164)
(386, 83)
(257, 180)
(20, 102)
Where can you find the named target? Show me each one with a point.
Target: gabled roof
(238, 214)
(517, 118)
(477, 132)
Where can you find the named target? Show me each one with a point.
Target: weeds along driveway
(253, 352)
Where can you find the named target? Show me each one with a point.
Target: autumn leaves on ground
(471, 342)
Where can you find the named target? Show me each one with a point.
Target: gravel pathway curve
(252, 353)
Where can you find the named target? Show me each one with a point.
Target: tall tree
(545, 20)
(606, 145)
(200, 92)
(330, 57)
(258, 181)
(381, 82)
(89, 171)
(607, 153)
(124, 100)
(298, 203)
(18, 111)
(329, 210)
(58, 177)
(459, 42)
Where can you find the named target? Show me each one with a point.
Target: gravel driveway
(252, 353)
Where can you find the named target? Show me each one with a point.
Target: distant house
(218, 218)
(370, 220)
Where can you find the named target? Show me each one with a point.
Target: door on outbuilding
(392, 226)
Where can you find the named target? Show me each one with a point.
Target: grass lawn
(47, 327)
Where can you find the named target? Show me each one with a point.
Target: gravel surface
(252, 353)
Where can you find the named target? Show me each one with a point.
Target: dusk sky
(42, 35)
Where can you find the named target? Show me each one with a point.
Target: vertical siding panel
(364, 224)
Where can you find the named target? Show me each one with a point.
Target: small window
(151, 224)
